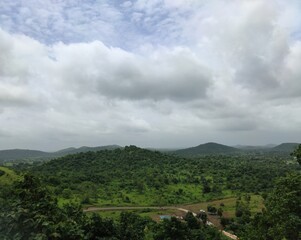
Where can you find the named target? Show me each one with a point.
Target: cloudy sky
(154, 73)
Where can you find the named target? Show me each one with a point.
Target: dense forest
(137, 176)
(44, 200)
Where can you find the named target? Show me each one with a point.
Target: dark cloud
(94, 68)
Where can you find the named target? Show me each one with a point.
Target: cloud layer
(151, 73)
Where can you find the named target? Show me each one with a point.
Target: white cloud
(192, 74)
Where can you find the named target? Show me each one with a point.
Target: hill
(206, 149)
(71, 150)
(258, 147)
(26, 154)
(127, 175)
(135, 176)
(285, 147)
(17, 154)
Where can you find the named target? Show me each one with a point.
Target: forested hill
(83, 149)
(120, 161)
(206, 149)
(127, 165)
(285, 147)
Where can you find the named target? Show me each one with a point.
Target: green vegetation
(297, 154)
(285, 147)
(282, 217)
(31, 212)
(134, 176)
(206, 149)
(26, 155)
(7, 176)
(254, 195)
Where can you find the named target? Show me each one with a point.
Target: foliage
(32, 213)
(172, 229)
(134, 176)
(282, 217)
(7, 176)
(297, 153)
(206, 149)
(131, 226)
(143, 177)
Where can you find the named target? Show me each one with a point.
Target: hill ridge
(28, 154)
(206, 148)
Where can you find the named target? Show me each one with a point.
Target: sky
(152, 73)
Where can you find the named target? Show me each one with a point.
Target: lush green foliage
(206, 149)
(7, 176)
(37, 209)
(297, 153)
(282, 217)
(134, 176)
(31, 212)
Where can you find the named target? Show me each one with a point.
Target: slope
(7, 176)
(285, 147)
(32, 155)
(206, 149)
(17, 154)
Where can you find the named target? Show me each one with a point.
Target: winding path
(97, 209)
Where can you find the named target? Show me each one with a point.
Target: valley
(232, 187)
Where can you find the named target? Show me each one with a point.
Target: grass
(256, 205)
(9, 177)
(150, 213)
(169, 195)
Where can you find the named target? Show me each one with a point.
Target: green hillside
(135, 176)
(7, 176)
(33, 155)
(17, 154)
(71, 150)
(285, 147)
(206, 149)
(132, 176)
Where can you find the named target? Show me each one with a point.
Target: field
(228, 205)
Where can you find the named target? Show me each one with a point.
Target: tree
(172, 229)
(297, 153)
(131, 226)
(206, 185)
(211, 209)
(282, 217)
(32, 213)
(98, 228)
(28, 211)
(192, 221)
(220, 212)
(203, 217)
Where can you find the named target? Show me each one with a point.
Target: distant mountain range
(216, 148)
(26, 154)
(202, 149)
